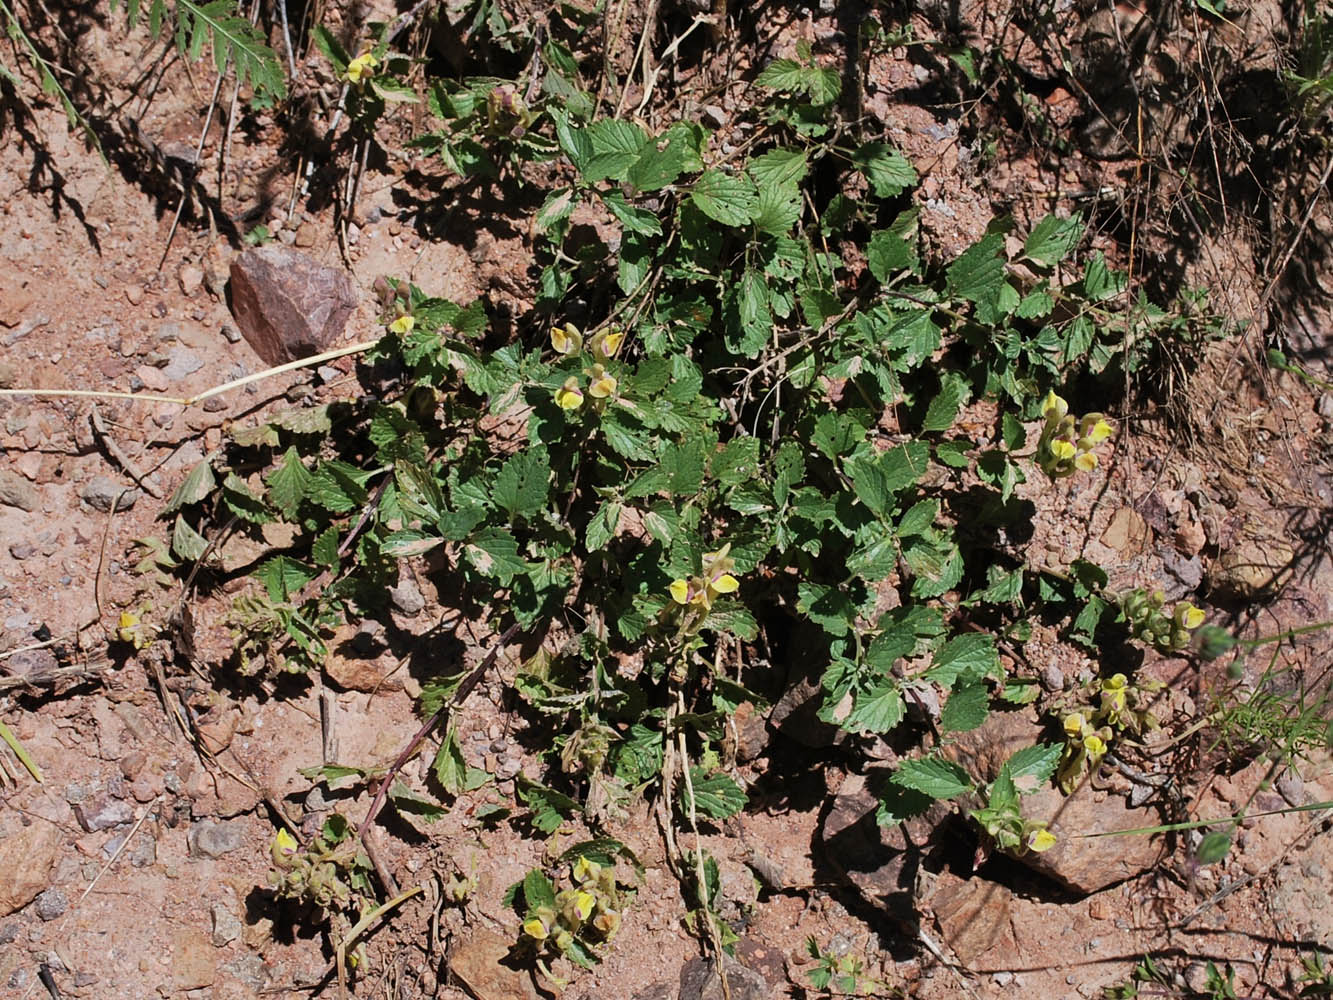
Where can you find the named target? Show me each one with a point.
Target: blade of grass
(8, 736)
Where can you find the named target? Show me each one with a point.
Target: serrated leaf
(549, 808)
(523, 482)
(782, 74)
(933, 776)
(897, 804)
(887, 170)
(965, 659)
(501, 558)
(407, 801)
(1053, 239)
(978, 273)
(737, 462)
(776, 208)
(602, 528)
(716, 796)
(195, 487)
(878, 710)
(449, 767)
(724, 198)
(1033, 766)
(337, 487)
(966, 709)
(287, 484)
(537, 890)
(241, 502)
(186, 543)
(826, 606)
(878, 480)
(943, 409)
(778, 168)
(887, 254)
(283, 577)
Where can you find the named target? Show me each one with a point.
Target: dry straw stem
(217, 390)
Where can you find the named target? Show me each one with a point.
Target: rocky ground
(138, 866)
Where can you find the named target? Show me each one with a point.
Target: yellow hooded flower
(566, 339)
(535, 928)
(583, 904)
(680, 591)
(585, 870)
(403, 324)
(1062, 450)
(1074, 723)
(362, 66)
(1086, 461)
(1099, 430)
(569, 396)
(601, 385)
(1188, 616)
(607, 343)
(1041, 840)
(1053, 407)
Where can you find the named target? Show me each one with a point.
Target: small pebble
(232, 334)
(51, 904)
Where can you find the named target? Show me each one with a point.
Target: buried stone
(287, 305)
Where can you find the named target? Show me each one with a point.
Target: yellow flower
(607, 343)
(583, 904)
(1053, 407)
(403, 324)
(569, 396)
(1095, 745)
(566, 339)
(1062, 450)
(1074, 723)
(1041, 840)
(535, 928)
(362, 66)
(680, 591)
(1099, 431)
(284, 849)
(585, 870)
(1188, 616)
(724, 584)
(1086, 461)
(601, 385)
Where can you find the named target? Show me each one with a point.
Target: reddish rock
(287, 305)
(26, 857)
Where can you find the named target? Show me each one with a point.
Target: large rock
(1080, 861)
(26, 858)
(287, 305)
(484, 964)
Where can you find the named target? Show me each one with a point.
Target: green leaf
(449, 767)
(1033, 766)
(724, 198)
(1214, 847)
(549, 807)
(887, 170)
(615, 146)
(978, 273)
(407, 801)
(737, 462)
(635, 219)
(966, 709)
(523, 482)
(933, 776)
(944, 407)
(1011, 430)
(636, 260)
(778, 168)
(776, 209)
(965, 659)
(837, 434)
(602, 528)
(338, 487)
(283, 577)
(1099, 281)
(287, 484)
(502, 560)
(196, 486)
(241, 502)
(888, 253)
(1053, 239)
(186, 543)
(878, 710)
(904, 631)
(717, 795)
(826, 606)
(537, 890)
(684, 464)
(878, 480)
(954, 453)
(897, 804)
(783, 74)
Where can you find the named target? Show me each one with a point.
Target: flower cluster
(1108, 706)
(716, 579)
(1149, 622)
(1066, 442)
(315, 875)
(587, 910)
(600, 385)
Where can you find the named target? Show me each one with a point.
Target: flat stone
(30, 663)
(15, 298)
(192, 963)
(974, 917)
(226, 925)
(15, 491)
(482, 962)
(211, 839)
(287, 305)
(102, 812)
(181, 361)
(27, 855)
(102, 491)
(407, 596)
(1249, 568)
(699, 981)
